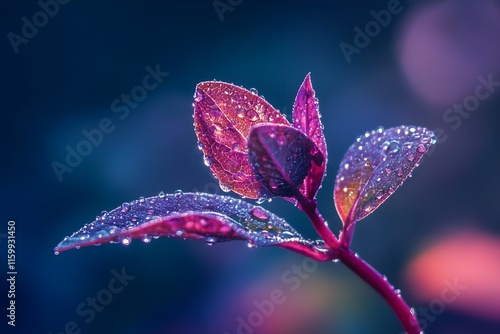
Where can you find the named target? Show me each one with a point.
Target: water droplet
(380, 129)
(179, 233)
(252, 115)
(379, 194)
(146, 239)
(208, 160)
(197, 96)
(260, 214)
(250, 245)
(346, 166)
(104, 214)
(178, 193)
(254, 91)
(421, 148)
(102, 234)
(77, 247)
(240, 112)
(260, 200)
(56, 253)
(345, 189)
(201, 146)
(126, 241)
(225, 187)
(425, 140)
(141, 199)
(210, 240)
(161, 194)
(392, 147)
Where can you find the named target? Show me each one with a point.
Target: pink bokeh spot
(469, 258)
(445, 46)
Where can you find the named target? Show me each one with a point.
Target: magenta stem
(380, 284)
(310, 208)
(340, 250)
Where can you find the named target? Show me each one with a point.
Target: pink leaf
(191, 215)
(375, 166)
(223, 116)
(281, 157)
(306, 117)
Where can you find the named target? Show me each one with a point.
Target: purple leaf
(306, 118)
(281, 158)
(190, 215)
(223, 116)
(375, 166)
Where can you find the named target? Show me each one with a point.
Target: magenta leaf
(375, 166)
(223, 116)
(185, 215)
(281, 157)
(306, 117)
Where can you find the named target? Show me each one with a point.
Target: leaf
(185, 215)
(281, 158)
(223, 116)
(306, 117)
(375, 166)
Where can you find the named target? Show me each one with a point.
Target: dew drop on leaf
(197, 96)
(259, 213)
(368, 176)
(207, 160)
(126, 241)
(225, 187)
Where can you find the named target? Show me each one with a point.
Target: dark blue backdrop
(70, 70)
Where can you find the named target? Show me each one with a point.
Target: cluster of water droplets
(379, 162)
(235, 219)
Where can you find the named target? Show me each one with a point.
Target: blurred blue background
(413, 66)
